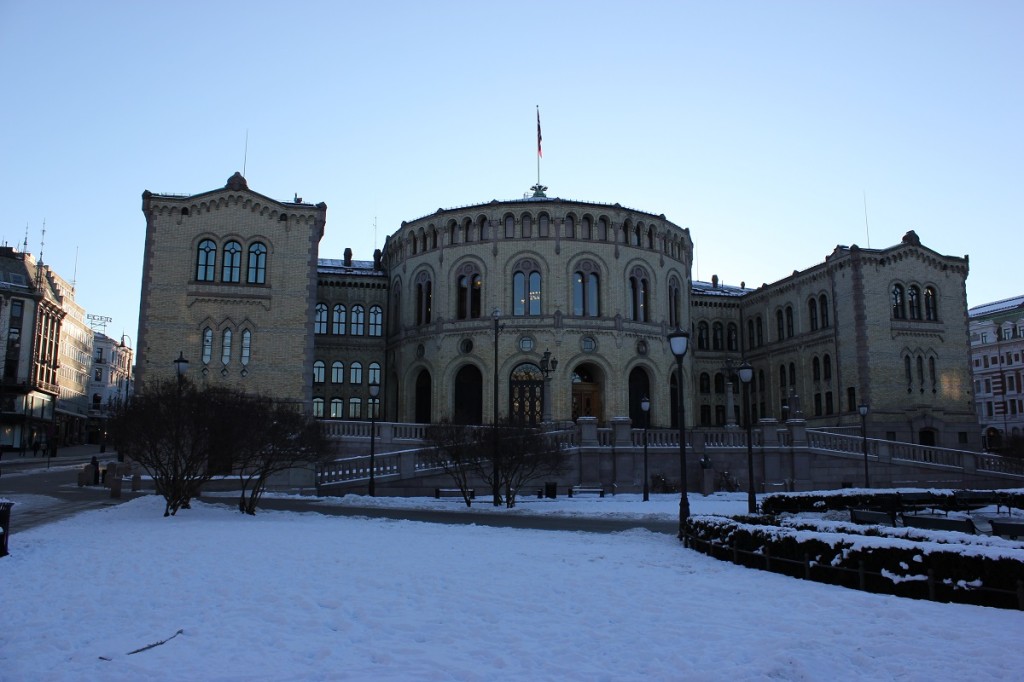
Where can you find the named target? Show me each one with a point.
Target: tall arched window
(246, 347)
(338, 320)
(527, 226)
(674, 303)
(207, 345)
(717, 336)
(826, 367)
(376, 320)
(812, 314)
(469, 292)
(526, 289)
(760, 331)
(639, 291)
(899, 310)
(257, 270)
(789, 321)
(544, 225)
(732, 337)
(782, 376)
(920, 372)
(703, 334)
(570, 227)
(337, 408)
(602, 229)
(705, 382)
(750, 334)
(914, 299)
(355, 373)
(373, 373)
(318, 408)
(337, 372)
(792, 374)
(816, 369)
(320, 319)
(206, 260)
(823, 310)
(908, 373)
(231, 269)
(931, 310)
(424, 298)
(358, 320)
(585, 291)
(719, 382)
(225, 347)
(586, 229)
(780, 324)
(932, 375)
(510, 227)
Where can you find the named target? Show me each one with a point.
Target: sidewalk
(71, 454)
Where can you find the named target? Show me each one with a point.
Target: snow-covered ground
(302, 596)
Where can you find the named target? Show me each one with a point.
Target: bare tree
(526, 454)
(456, 450)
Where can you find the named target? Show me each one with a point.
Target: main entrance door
(526, 395)
(586, 393)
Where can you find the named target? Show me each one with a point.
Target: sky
(774, 131)
(300, 596)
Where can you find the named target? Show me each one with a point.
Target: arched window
(914, 299)
(207, 345)
(931, 310)
(320, 319)
(702, 336)
(639, 291)
(823, 310)
(750, 334)
(780, 324)
(899, 310)
(920, 372)
(206, 260)
(246, 347)
(932, 375)
(318, 372)
(337, 372)
(586, 229)
(527, 226)
(231, 269)
(355, 374)
(355, 325)
(789, 321)
(469, 291)
(337, 408)
(782, 376)
(732, 339)
(826, 367)
(544, 225)
(717, 334)
(719, 382)
(705, 382)
(908, 372)
(376, 320)
(510, 227)
(338, 320)
(585, 291)
(674, 303)
(760, 331)
(355, 408)
(225, 347)
(792, 374)
(816, 369)
(257, 270)
(526, 289)
(318, 408)
(602, 229)
(373, 373)
(812, 314)
(424, 298)
(570, 227)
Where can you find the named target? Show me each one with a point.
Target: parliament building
(546, 309)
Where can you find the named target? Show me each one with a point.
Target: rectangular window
(829, 406)
(355, 408)
(961, 437)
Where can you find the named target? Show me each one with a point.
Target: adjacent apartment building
(997, 364)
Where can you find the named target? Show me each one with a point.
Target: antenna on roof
(245, 157)
(74, 277)
(867, 230)
(24, 248)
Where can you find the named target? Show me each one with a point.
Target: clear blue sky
(761, 126)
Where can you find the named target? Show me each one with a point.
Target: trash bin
(551, 489)
(5, 525)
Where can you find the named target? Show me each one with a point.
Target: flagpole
(538, 189)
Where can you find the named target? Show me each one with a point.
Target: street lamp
(495, 489)
(864, 409)
(678, 341)
(374, 392)
(645, 405)
(746, 373)
(547, 366)
(181, 366)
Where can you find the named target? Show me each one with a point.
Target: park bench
(1011, 529)
(915, 502)
(969, 500)
(872, 517)
(939, 523)
(452, 492)
(585, 490)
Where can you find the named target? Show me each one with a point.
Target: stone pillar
(798, 432)
(622, 432)
(588, 430)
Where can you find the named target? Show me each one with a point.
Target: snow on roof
(719, 289)
(337, 266)
(997, 306)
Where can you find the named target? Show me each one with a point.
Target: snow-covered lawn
(301, 596)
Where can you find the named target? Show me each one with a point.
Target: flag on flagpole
(540, 152)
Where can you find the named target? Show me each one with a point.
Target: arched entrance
(526, 395)
(926, 437)
(587, 392)
(423, 390)
(468, 406)
(639, 388)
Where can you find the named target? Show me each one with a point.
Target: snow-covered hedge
(863, 498)
(918, 564)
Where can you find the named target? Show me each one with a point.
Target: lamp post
(746, 374)
(181, 366)
(678, 341)
(645, 405)
(495, 488)
(547, 366)
(374, 392)
(864, 409)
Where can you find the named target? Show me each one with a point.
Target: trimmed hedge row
(889, 500)
(981, 575)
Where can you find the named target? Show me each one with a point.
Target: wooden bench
(969, 500)
(939, 523)
(585, 490)
(1011, 529)
(915, 502)
(449, 492)
(872, 517)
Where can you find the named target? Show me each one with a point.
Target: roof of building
(1002, 306)
(336, 266)
(715, 288)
